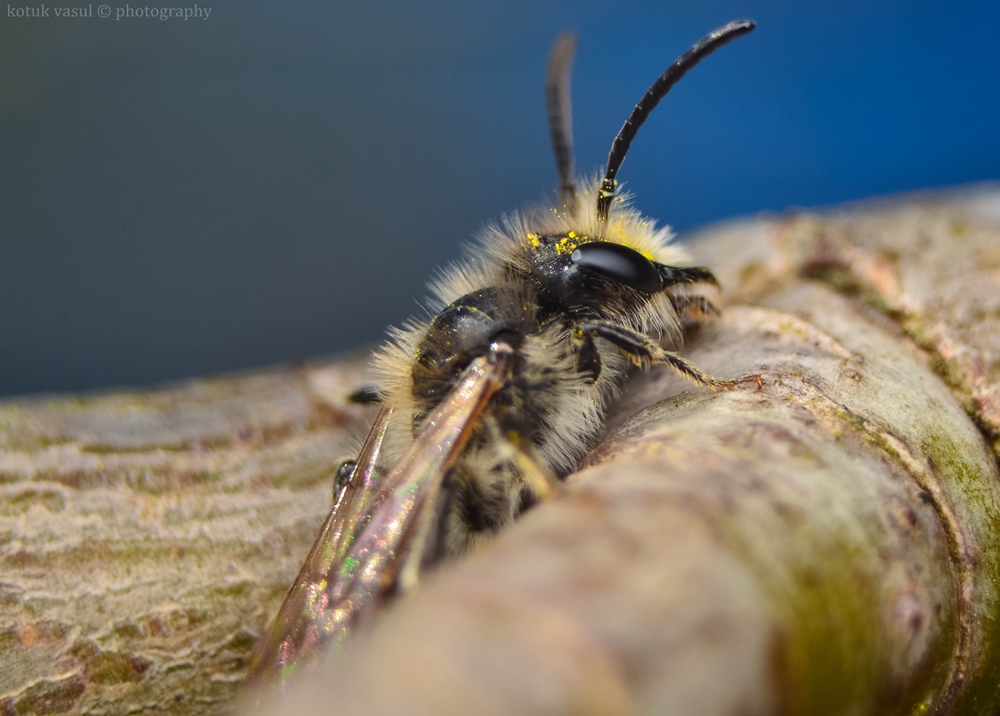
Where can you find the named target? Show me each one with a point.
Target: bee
(487, 404)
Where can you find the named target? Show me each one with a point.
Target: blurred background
(277, 181)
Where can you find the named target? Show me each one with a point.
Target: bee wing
(291, 627)
(365, 541)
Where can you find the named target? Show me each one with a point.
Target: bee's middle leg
(540, 483)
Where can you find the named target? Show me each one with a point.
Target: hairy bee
(486, 405)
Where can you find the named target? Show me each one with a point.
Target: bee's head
(589, 268)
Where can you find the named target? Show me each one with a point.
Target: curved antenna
(673, 74)
(560, 114)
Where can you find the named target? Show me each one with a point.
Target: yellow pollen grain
(564, 246)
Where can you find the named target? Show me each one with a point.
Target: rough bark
(824, 539)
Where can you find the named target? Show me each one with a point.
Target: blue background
(278, 182)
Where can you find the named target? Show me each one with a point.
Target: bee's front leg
(645, 349)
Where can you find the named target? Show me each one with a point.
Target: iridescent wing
(293, 629)
(366, 540)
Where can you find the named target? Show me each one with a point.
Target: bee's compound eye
(618, 263)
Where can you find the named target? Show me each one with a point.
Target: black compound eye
(618, 263)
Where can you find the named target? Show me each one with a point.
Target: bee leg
(365, 395)
(696, 305)
(537, 479)
(343, 476)
(541, 485)
(417, 553)
(643, 348)
(588, 359)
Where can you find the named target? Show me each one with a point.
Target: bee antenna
(560, 114)
(673, 74)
